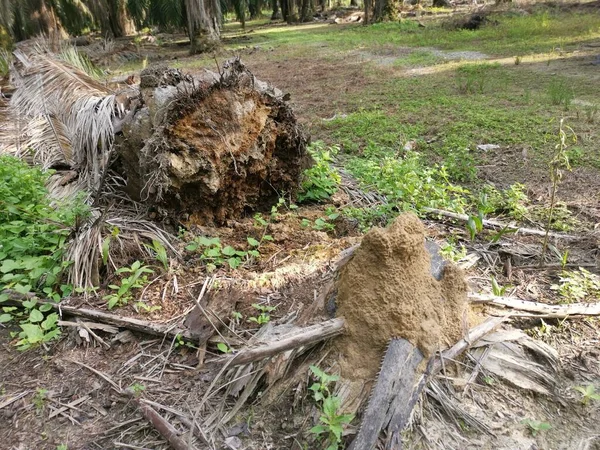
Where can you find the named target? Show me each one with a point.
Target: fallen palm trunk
(554, 311)
(211, 147)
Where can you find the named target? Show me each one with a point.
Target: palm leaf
(51, 88)
(50, 141)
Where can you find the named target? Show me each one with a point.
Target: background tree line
(201, 19)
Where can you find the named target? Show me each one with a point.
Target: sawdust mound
(387, 291)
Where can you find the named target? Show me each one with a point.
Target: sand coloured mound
(387, 291)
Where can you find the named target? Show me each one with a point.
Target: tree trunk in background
(368, 6)
(385, 10)
(32, 19)
(292, 17)
(203, 18)
(353, 3)
(255, 8)
(111, 17)
(120, 22)
(276, 13)
(307, 10)
(285, 9)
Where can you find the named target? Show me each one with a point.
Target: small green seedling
(475, 225)
(144, 308)
(180, 342)
(489, 380)
(62, 447)
(40, 398)
(160, 252)
(321, 387)
(535, 427)
(264, 316)
(137, 389)
(587, 393)
(498, 290)
(124, 291)
(224, 348)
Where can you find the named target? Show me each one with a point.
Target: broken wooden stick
(495, 224)
(165, 429)
(473, 335)
(300, 338)
(553, 311)
(142, 326)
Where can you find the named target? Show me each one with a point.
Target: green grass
(515, 34)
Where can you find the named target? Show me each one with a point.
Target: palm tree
(203, 23)
(23, 19)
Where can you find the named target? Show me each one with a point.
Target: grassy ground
(371, 90)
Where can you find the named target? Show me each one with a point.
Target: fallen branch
(494, 224)
(473, 335)
(165, 429)
(306, 336)
(142, 326)
(553, 311)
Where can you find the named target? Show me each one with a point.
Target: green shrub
(32, 232)
(408, 182)
(322, 180)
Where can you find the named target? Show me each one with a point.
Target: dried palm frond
(50, 141)
(60, 116)
(50, 88)
(86, 251)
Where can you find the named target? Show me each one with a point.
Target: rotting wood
(554, 311)
(306, 336)
(473, 335)
(399, 387)
(494, 224)
(394, 387)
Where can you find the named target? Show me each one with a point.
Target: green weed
(5, 61)
(158, 250)
(40, 398)
(322, 180)
(264, 315)
(332, 423)
(324, 223)
(472, 78)
(587, 393)
(450, 251)
(137, 389)
(408, 182)
(560, 93)
(535, 427)
(33, 232)
(577, 285)
(123, 292)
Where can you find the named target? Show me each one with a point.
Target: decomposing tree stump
(211, 146)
